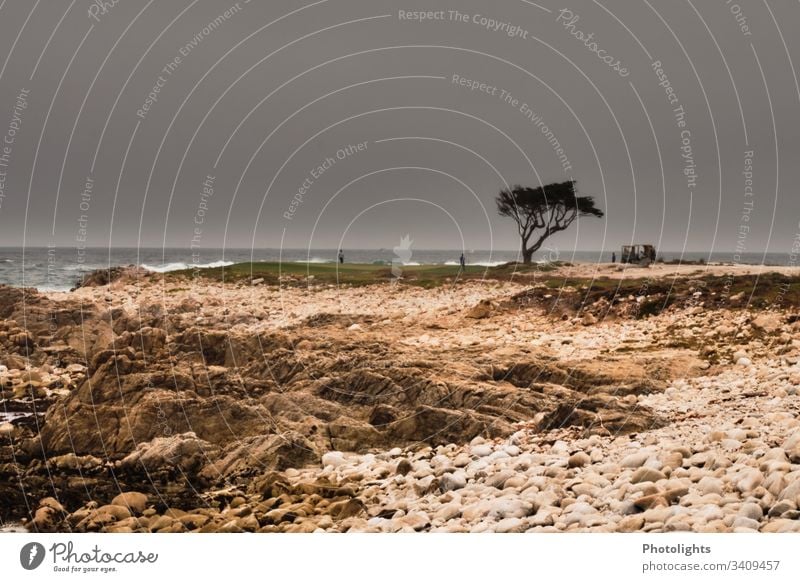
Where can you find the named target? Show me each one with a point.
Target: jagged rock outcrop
(176, 391)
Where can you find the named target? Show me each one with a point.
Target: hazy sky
(239, 124)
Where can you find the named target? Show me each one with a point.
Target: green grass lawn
(359, 274)
(759, 292)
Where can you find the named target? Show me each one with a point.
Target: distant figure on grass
(614, 257)
(341, 257)
(463, 262)
(545, 210)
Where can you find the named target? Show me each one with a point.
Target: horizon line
(453, 249)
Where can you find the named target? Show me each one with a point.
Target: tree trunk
(527, 251)
(527, 256)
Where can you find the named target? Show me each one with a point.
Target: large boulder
(185, 452)
(767, 323)
(257, 454)
(102, 277)
(440, 426)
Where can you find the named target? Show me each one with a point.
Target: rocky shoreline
(141, 402)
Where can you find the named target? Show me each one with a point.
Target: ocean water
(60, 268)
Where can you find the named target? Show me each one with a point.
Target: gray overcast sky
(274, 89)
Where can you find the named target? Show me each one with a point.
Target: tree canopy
(544, 211)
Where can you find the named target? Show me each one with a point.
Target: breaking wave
(167, 267)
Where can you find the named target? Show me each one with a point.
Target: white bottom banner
(351, 558)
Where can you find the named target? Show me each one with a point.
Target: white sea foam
(9, 416)
(55, 288)
(166, 268)
(315, 260)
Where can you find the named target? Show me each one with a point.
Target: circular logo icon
(31, 555)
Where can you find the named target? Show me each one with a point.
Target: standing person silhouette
(341, 257)
(613, 257)
(462, 261)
